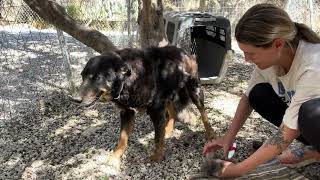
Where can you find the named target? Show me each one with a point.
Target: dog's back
(172, 55)
(164, 70)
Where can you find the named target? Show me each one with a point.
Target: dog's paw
(156, 157)
(114, 162)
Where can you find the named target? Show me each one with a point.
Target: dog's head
(103, 78)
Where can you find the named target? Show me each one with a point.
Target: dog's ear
(123, 71)
(117, 87)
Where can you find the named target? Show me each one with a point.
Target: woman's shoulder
(307, 48)
(308, 53)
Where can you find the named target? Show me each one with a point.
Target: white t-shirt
(299, 85)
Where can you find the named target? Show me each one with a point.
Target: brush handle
(232, 150)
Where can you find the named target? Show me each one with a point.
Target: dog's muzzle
(86, 101)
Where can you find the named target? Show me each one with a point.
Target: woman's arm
(270, 149)
(243, 111)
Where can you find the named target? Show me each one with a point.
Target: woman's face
(262, 57)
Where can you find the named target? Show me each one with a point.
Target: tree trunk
(202, 6)
(150, 20)
(56, 15)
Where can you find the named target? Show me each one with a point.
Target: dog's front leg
(158, 118)
(126, 127)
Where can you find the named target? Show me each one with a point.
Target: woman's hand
(224, 142)
(231, 170)
(221, 168)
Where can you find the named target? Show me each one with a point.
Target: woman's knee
(309, 122)
(267, 103)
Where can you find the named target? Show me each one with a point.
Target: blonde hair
(263, 23)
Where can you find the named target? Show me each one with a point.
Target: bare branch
(56, 15)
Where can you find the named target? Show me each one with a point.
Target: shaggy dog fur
(158, 80)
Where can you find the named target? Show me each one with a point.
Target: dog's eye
(90, 76)
(98, 78)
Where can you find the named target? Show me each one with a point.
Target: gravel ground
(43, 135)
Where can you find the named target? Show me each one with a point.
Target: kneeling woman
(284, 88)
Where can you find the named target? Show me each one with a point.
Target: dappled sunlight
(71, 123)
(31, 171)
(79, 54)
(7, 104)
(41, 85)
(93, 161)
(146, 139)
(91, 113)
(12, 162)
(149, 137)
(226, 103)
(13, 59)
(81, 125)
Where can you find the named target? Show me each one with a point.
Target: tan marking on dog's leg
(122, 144)
(170, 121)
(209, 131)
(114, 159)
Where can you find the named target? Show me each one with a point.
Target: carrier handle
(205, 19)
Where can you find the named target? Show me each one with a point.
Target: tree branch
(56, 15)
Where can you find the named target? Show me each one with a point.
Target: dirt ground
(43, 135)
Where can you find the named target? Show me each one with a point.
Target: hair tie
(297, 25)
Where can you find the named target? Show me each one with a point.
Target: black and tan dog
(154, 79)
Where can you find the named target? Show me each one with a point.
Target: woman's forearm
(243, 111)
(270, 149)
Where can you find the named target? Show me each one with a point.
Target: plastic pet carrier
(206, 36)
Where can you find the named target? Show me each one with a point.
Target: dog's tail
(185, 113)
(182, 99)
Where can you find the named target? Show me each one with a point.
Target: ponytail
(307, 34)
